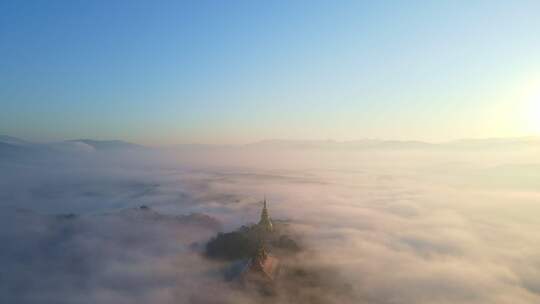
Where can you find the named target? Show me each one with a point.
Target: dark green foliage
(286, 243)
(231, 246)
(244, 242)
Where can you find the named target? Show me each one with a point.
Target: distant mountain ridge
(399, 144)
(108, 144)
(363, 143)
(10, 140)
(12, 146)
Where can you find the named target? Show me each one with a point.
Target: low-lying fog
(397, 222)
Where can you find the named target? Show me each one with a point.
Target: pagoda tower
(265, 223)
(262, 267)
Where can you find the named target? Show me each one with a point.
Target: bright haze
(398, 140)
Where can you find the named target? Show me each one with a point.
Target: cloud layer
(382, 226)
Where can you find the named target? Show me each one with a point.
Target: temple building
(262, 267)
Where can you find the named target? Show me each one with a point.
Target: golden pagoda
(262, 267)
(265, 223)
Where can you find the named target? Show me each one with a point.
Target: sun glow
(533, 114)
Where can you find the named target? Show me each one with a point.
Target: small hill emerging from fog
(243, 243)
(300, 279)
(10, 143)
(13, 149)
(108, 144)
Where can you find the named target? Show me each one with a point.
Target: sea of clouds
(381, 226)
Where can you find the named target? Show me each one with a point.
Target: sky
(171, 72)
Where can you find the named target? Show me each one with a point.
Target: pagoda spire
(265, 222)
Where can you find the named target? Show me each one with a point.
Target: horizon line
(283, 140)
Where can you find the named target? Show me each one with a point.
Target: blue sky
(165, 72)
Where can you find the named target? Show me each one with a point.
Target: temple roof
(261, 266)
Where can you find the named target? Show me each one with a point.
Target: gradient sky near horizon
(166, 72)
